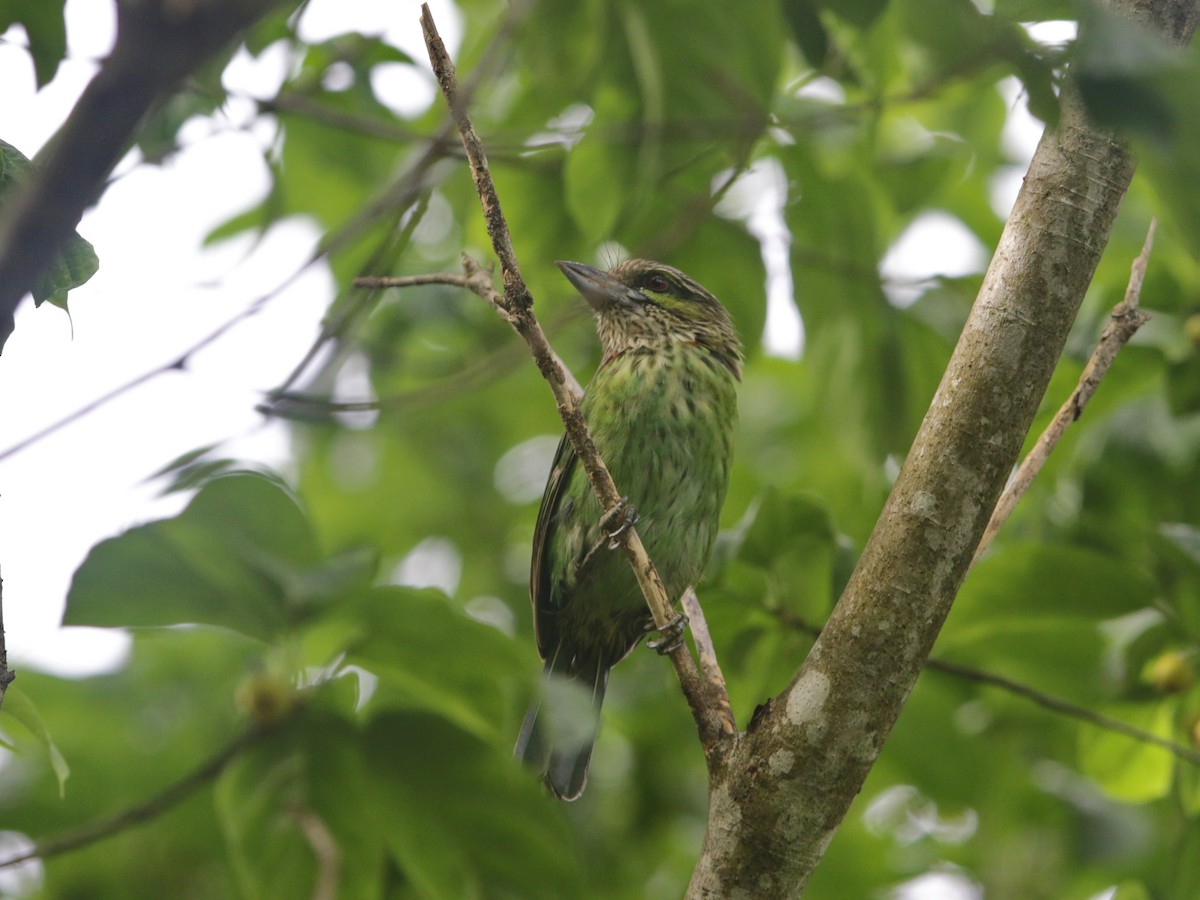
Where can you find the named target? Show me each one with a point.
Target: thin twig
(402, 281)
(485, 369)
(1066, 708)
(401, 194)
(173, 794)
(479, 282)
(516, 305)
(158, 45)
(404, 191)
(325, 849)
(709, 666)
(407, 185)
(177, 364)
(1126, 319)
(1046, 701)
(297, 104)
(7, 676)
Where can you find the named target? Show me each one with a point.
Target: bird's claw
(670, 636)
(617, 519)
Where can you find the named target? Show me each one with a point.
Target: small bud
(1170, 673)
(1191, 328)
(264, 697)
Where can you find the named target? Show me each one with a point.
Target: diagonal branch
(158, 43)
(516, 306)
(7, 675)
(1127, 318)
(791, 779)
(1019, 689)
(479, 282)
(148, 810)
(1065, 707)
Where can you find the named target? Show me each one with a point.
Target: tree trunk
(778, 793)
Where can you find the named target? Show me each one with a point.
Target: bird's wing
(544, 618)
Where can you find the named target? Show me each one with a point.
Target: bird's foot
(616, 520)
(670, 636)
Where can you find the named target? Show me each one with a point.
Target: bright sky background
(157, 292)
(155, 295)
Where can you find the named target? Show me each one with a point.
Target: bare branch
(709, 667)
(172, 795)
(791, 778)
(7, 676)
(1074, 710)
(402, 281)
(516, 305)
(478, 280)
(1019, 689)
(325, 849)
(1126, 319)
(484, 370)
(158, 44)
(403, 190)
(177, 364)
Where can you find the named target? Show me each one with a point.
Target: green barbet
(662, 409)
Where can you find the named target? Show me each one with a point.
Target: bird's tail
(564, 753)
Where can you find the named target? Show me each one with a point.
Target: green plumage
(661, 409)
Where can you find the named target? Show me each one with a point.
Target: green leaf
(73, 265)
(14, 166)
(46, 29)
(296, 809)
(807, 30)
(599, 171)
(1033, 612)
(18, 705)
(417, 643)
(1131, 890)
(433, 780)
(861, 13)
(1132, 80)
(1183, 386)
(1130, 770)
(238, 556)
(783, 516)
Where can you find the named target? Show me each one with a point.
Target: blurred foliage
(367, 619)
(74, 264)
(45, 31)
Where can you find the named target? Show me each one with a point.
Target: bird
(662, 410)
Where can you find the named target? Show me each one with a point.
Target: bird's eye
(658, 283)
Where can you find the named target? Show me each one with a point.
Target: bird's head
(646, 304)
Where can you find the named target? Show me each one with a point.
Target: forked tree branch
(781, 792)
(1126, 318)
(478, 281)
(516, 306)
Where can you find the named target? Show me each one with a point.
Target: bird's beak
(598, 288)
